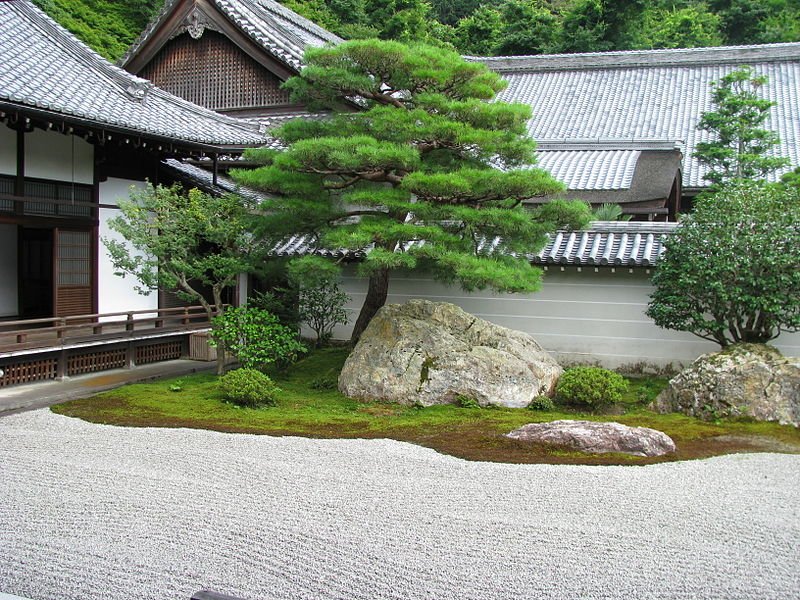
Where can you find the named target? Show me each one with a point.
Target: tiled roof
(611, 244)
(279, 31)
(656, 94)
(203, 179)
(590, 169)
(46, 69)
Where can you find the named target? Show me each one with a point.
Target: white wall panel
(579, 317)
(8, 151)
(117, 294)
(8, 271)
(52, 155)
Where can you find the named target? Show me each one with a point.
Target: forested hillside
(108, 26)
(488, 28)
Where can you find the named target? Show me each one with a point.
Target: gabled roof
(48, 73)
(652, 94)
(280, 32)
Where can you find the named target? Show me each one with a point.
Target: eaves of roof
(725, 55)
(604, 244)
(50, 75)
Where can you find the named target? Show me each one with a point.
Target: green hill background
(487, 28)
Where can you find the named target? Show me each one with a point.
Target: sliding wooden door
(73, 293)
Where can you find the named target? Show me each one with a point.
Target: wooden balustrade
(57, 332)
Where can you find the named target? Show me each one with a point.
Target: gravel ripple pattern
(100, 512)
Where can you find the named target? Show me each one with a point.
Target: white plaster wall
(579, 317)
(117, 294)
(49, 155)
(8, 151)
(9, 299)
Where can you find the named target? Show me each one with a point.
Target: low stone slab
(590, 436)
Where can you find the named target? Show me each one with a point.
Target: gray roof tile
(204, 180)
(657, 94)
(590, 169)
(46, 68)
(606, 244)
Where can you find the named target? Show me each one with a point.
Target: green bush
(249, 387)
(256, 337)
(464, 401)
(542, 403)
(590, 386)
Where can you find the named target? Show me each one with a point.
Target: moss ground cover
(303, 409)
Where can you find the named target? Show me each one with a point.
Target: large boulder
(590, 436)
(752, 380)
(432, 352)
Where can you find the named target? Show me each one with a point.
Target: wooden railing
(58, 332)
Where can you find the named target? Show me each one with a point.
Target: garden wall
(584, 316)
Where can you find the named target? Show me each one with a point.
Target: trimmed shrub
(590, 386)
(249, 388)
(542, 403)
(256, 338)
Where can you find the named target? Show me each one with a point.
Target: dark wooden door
(35, 269)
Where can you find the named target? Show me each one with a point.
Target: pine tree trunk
(377, 292)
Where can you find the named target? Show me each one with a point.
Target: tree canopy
(405, 170)
(729, 274)
(184, 242)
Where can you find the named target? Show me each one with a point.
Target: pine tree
(405, 170)
(740, 145)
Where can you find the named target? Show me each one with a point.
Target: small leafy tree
(320, 301)
(183, 241)
(256, 337)
(740, 146)
(729, 274)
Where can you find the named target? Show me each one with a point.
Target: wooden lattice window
(73, 284)
(214, 72)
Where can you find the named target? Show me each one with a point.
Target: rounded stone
(753, 380)
(430, 353)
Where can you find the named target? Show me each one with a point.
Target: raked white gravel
(91, 512)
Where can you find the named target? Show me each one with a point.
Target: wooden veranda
(56, 347)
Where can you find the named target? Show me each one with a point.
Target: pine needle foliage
(405, 169)
(740, 147)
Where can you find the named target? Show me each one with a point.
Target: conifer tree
(740, 145)
(405, 170)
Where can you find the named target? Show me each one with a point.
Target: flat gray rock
(591, 436)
